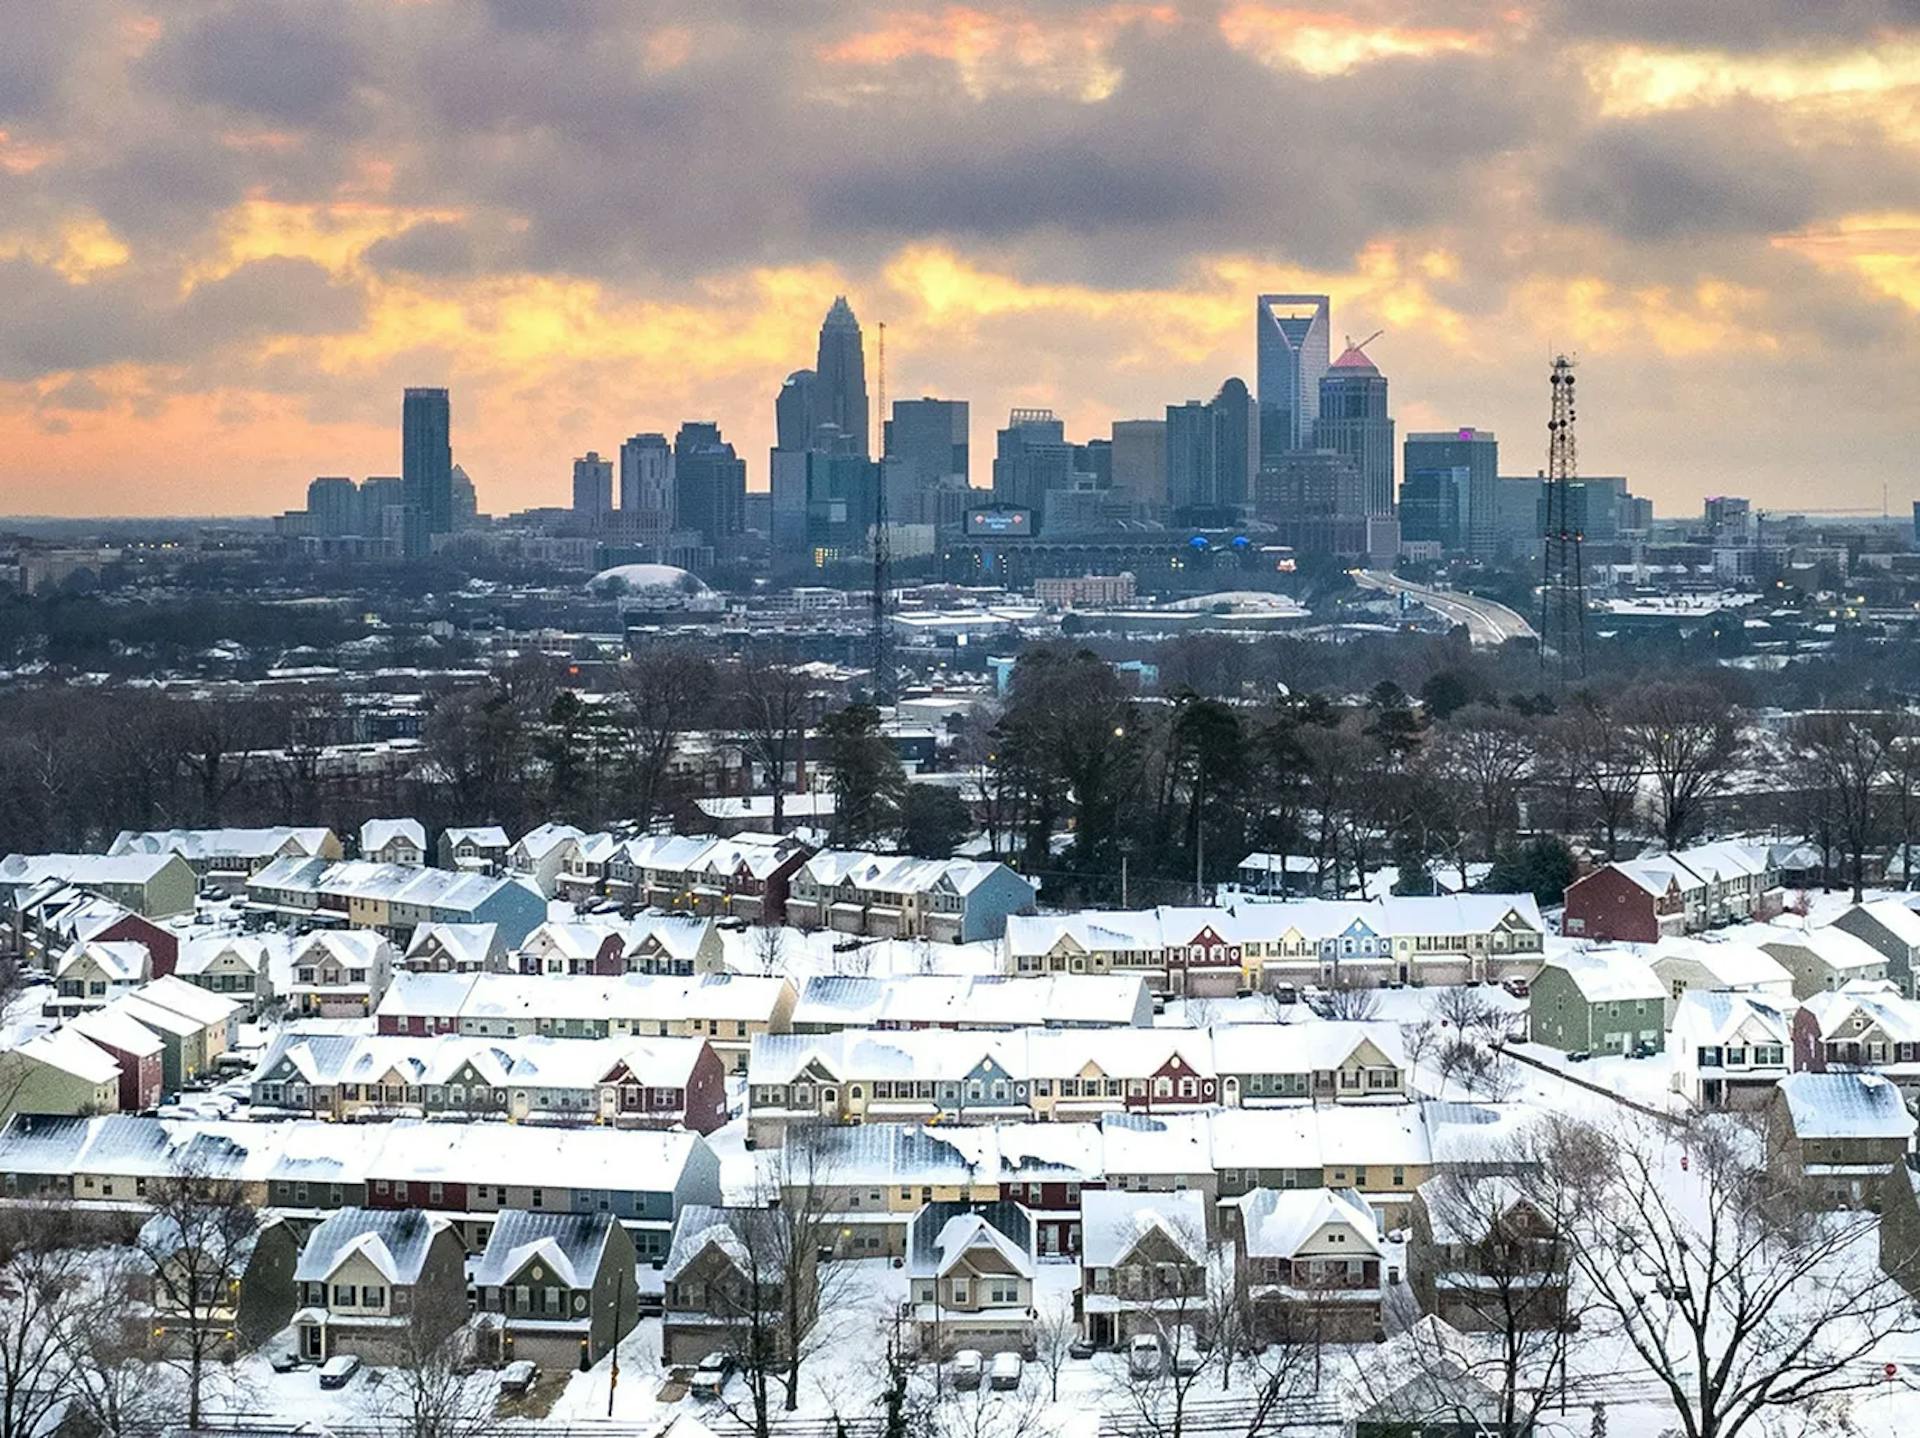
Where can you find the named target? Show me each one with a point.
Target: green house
(1604, 1001)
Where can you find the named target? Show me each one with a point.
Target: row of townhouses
(392, 899)
(1684, 892)
(1261, 946)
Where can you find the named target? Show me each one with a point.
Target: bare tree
(115, 1393)
(1734, 1286)
(1464, 1008)
(940, 1412)
(1490, 754)
(660, 696)
(1604, 764)
(1054, 1333)
(1845, 758)
(1348, 996)
(429, 1390)
(45, 1302)
(771, 706)
(1687, 738)
(196, 1246)
(1183, 1300)
(770, 948)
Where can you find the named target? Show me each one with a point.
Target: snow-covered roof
(1729, 963)
(1852, 1009)
(1113, 1222)
(117, 1029)
(571, 1245)
(970, 1001)
(1259, 921)
(1304, 1047)
(1896, 918)
(740, 1233)
(741, 997)
(425, 995)
(1845, 1106)
(941, 1234)
(82, 870)
(467, 943)
(122, 961)
(1836, 948)
(376, 834)
(395, 1241)
(537, 843)
(203, 1006)
(1277, 1223)
(482, 836)
(209, 844)
(200, 952)
(1714, 1018)
(72, 1054)
(1605, 976)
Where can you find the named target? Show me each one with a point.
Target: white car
(338, 1370)
(966, 1369)
(1145, 1356)
(1005, 1372)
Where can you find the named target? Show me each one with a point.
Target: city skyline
(223, 268)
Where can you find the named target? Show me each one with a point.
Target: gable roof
(395, 1241)
(1713, 1017)
(572, 1245)
(1608, 975)
(942, 1233)
(1276, 1223)
(1845, 1106)
(1113, 1222)
(376, 834)
(1731, 964)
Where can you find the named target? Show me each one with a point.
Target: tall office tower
(1353, 421)
(1291, 347)
(592, 486)
(930, 437)
(378, 494)
(709, 482)
(1095, 460)
(787, 524)
(1440, 455)
(1211, 451)
(1140, 460)
(1433, 508)
(646, 480)
(1729, 518)
(466, 500)
(793, 411)
(840, 507)
(333, 505)
(1310, 484)
(1031, 456)
(840, 383)
(426, 458)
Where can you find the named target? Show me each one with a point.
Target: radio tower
(1563, 589)
(881, 659)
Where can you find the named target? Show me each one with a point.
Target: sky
(232, 233)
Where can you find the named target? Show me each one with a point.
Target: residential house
(455, 949)
(1730, 1050)
(831, 1002)
(578, 948)
(970, 1275)
(560, 1286)
(873, 1179)
(67, 917)
(1869, 1027)
(1840, 1133)
(1318, 1061)
(1310, 1265)
(230, 855)
(540, 855)
(745, 876)
(1143, 1264)
(1893, 930)
(194, 1027)
(58, 1073)
(154, 885)
(583, 870)
(394, 899)
(1717, 963)
(340, 974)
(674, 944)
(1603, 1001)
(1483, 1257)
(137, 1049)
(90, 975)
(372, 1283)
(480, 850)
(1823, 958)
(234, 966)
(1425, 1383)
(1382, 1151)
(725, 1284)
(393, 841)
(1639, 901)
(257, 1252)
(423, 1004)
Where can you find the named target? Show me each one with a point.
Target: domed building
(654, 587)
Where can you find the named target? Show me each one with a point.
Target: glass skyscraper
(1292, 349)
(426, 459)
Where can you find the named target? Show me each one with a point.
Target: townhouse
(1143, 1265)
(394, 841)
(1484, 1258)
(725, 1285)
(1865, 1027)
(1823, 958)
(1602, 1001)
(1309, 1265)
(1384, 1152)
(674, 944)
(58, 1073)
(583, 867)
(1730, 1050)
(540, 856)
(481, 850)
(229, 855)
(378, 1284)
(455, 949)
(137, 1049)
(340, 974)
(728, 1010)
(1893, 930)
(234, 966)
(1642, 900)
(970, 1276)
(577, 948)
(1716, 962)
(59, 918)
(624, 1082)
(258, 1254)
(898, 896)
(990, 1076)
(1261, 946)
(194, 1027)
(1841, 1134)
(557, 1287)
(93, 973)
(155, 886)
(393, 899)
(872, 1180)
(828, 1003)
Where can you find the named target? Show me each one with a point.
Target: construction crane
(1365, 342)
(880, 658)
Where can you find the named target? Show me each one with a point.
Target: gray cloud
(298, 64)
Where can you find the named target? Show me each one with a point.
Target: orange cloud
(1324, 43)
(998, 50)
(1882, 249)
(1597, 316)
(23, 157)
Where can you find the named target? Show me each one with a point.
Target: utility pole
(613, 1374)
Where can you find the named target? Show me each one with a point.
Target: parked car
(710, 1375)
(518, 1376)
(338, 1371)
(965, 1371)
(1082, 1348)
(1578, 1056)
(1188, 1355)
(283, 1357)
(1006, 1370)
(1145, 1356)
(1285, 994)
(1518, 987)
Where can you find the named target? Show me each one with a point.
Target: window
(373, 1297)
(343, 1295)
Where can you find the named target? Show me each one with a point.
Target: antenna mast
(1563, 590)
(880, 659)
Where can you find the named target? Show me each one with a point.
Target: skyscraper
(426, 459)
(1140, 460)
(1291, 348)
(592, 486)
(1031, 456)
(466, 500)
(646, 482)
(333, 502)
(1210, 453)
(1236, 444)
(1353, 421)
(929, 436)
(709, 482)
(840, 377)
(793, 411)
(1466, 462)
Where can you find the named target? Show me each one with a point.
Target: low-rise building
(970, 1272)
(455, 949)
(481, 850)
(1143, 1264)
(394, 841)
(1863, 1027)
(1825, 958)
(153, 885)
(374, 1283)
(230, 855)
(234, 966)
(1603, 1001)
(1730, 1050)
(726, 1285)
(560, 1286)
(1640, 901)
(255, 1253)
(340, 974)
(92, 974)
(1685, 962)
(1310, 1265)
(138, 1050)
(58, 1073)
(1839, 1133)
(1893, 930)
(1483, 1257)
(898, 896)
